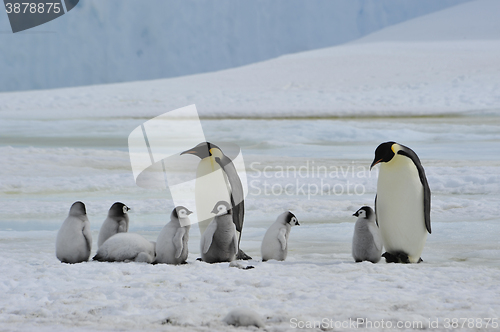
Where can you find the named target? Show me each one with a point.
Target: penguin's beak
(188, 212)
(356, 214)
(201, 151)
(192, 151)
(375, 162)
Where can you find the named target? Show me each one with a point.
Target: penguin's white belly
(211, 187)
(271, 247)
(165, 249)
(400, 208)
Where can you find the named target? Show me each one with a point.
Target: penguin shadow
(231, 264)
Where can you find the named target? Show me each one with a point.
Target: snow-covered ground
(64, 145)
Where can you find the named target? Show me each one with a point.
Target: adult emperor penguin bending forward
(402, 204)
(217, 180)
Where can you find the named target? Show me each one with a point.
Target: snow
(59, 146)
(243, 317)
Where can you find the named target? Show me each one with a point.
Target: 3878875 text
(33, 7)
(477, 323)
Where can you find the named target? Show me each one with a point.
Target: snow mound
(243, 317)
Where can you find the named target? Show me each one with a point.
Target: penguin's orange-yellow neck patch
(395, 148)
(216, 152)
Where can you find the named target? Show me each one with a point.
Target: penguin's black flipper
(237, 195)
(242, 256)
(423, 179)
(237, 199)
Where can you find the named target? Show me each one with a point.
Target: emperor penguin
(126, 247)
(219, 242)
(116, 222)
(402, 204)
(74, 240)
(366, 241)
(275, 242)
(172, 242)
(217, 180)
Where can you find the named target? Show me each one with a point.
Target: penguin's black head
(292, 219)
(181, 212)
(221, 208)
(383, 153)
(203, 150)
(118, 209)
(77, 209)
(364, 212)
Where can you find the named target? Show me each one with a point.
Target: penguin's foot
(398, 257)
(199, 259)
(242, 256)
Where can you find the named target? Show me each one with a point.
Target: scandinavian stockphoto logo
(171, 151)
(26, 14)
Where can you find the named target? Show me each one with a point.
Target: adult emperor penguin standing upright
(402, 204)
(217, 180)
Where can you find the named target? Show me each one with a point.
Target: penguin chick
(74, 240)
(116, 222)
(275, 242)
(366, 241)
(172, 242)
(125, 247)
(219, 242)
